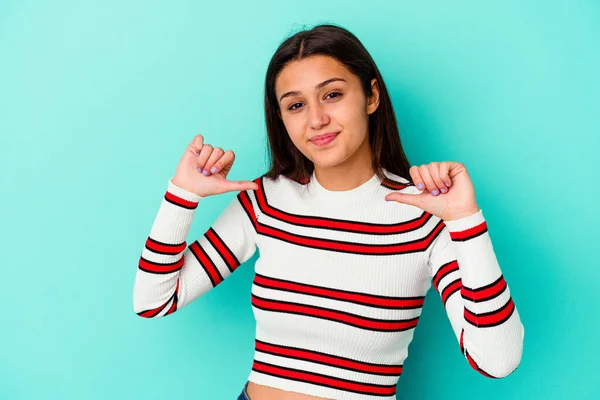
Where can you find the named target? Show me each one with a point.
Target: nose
(317, 117)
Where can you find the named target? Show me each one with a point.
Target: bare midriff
(261, 392)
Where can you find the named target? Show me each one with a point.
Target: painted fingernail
(199, 169)
(420, 186)
(435, 192)
(213, 169)
(443, 190)
(447, 184)
(206, 172)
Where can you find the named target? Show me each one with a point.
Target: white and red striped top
(339, 284)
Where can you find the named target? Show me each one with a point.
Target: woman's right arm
(170, 273)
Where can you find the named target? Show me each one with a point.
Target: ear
(373, 100)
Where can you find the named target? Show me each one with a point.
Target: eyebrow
(319, 86)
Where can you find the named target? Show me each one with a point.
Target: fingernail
(420, 186)
(205, 172)
(435, 192)
(213, 169)
(447, 184)
(199, 169)
(443, 190)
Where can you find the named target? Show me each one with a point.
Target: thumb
(405, 198)
(231, 186)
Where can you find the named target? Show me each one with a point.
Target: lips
(322, 140)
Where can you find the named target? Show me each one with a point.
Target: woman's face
(325, 111)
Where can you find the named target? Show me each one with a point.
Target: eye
(293, 106)
(333, 94)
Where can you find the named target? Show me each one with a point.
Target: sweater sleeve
(170, 273)
(466, 274)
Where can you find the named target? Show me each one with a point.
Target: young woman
(351, 237)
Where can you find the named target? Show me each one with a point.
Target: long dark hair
(340, 44)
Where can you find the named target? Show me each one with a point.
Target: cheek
(295, 130)
(351, 113)
(355, 121)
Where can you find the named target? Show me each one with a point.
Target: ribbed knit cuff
(181, 192)
(464, 223)
(175, 215)
(474, 250)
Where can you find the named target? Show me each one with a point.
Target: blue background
(99, 100)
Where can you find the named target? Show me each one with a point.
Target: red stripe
(395, 186)
(206, 263)
(443, 271)
(450, 290)
(492, 318)
(381, 390)
(179, 201)
(485, 293)
(164, 248)
(469, 233)
(327, 223)
(361, 298)
(418, 245)
(333, 315)
(155, 311)
(173, 307)
(476, 367)
(226, 254)
(328, 359)
(247, 205)
(157, 268)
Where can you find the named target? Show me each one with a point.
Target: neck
(350, 174)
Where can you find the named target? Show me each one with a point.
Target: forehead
(305, 74)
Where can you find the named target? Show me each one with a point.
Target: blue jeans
(244, 394)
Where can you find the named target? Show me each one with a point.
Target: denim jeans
(244, 394)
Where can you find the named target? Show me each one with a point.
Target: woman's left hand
(447, 190)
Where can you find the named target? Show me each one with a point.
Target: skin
(318, 95)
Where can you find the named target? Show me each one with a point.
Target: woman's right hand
(200, 157)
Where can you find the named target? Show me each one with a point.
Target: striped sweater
(340, 282)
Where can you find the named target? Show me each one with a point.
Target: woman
(349, 246)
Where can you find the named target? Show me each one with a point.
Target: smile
(323, 140)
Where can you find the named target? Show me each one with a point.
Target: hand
(203, 170)
(447, 190)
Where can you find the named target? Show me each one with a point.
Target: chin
(329, 160)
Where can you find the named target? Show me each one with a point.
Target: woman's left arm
(476, 297)
(465, 270)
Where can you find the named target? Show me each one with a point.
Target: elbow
(145, 305)
(510, 363)
(496, 370)
(141, 311)
(503, 365)
(147, 316)
(145, 311)
(504, 369)
(511, 359)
